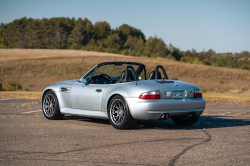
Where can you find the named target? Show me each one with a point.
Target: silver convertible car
(122, 93)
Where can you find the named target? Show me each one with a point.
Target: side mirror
(84, 82)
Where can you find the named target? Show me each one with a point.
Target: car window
(89, 75)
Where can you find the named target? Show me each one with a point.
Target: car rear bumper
(142, 109)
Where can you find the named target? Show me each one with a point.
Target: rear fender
(128, 89)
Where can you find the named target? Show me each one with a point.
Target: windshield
(113, 70)
(110, 73)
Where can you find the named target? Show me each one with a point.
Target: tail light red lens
(197, 93)
(150, 95)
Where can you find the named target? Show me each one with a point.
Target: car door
(87, 97)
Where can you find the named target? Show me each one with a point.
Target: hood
(67, 81)
(63, 84)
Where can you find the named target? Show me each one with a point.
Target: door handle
(98, 90)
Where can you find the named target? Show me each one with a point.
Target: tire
(119, 114)
(50, 106)
(185, 121)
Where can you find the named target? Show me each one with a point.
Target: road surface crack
(87, 148)
(176, 157)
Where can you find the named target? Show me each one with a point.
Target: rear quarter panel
(126, 90)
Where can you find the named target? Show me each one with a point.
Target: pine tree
(76, 38)
(101, 30)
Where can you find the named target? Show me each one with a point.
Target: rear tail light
(150, 95)
(197, 93)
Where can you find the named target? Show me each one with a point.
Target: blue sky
(221, 25)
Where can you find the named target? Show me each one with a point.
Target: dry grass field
(35, 69)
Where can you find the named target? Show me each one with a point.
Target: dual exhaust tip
(165, 116)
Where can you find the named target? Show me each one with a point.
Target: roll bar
(163, 70)
(133, 70)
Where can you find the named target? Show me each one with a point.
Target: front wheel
(50, 106)
(184, 120)
(119, 114)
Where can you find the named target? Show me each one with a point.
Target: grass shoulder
(227, 98)
(21, 94)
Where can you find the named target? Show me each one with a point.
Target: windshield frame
(139, 70)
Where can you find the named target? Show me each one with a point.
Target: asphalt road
(220, 137)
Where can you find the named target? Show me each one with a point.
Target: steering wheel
(105, 76)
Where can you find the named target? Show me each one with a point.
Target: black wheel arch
(44, 92)
(116, 94)
(107, 105)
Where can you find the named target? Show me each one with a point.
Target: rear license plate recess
(179, 94)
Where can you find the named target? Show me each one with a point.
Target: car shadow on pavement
(87, 119)
(203, 122)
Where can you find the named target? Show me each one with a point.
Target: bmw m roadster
(122, 93)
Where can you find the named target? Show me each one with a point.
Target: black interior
(101, 79)
(153, 74)
(130, 76)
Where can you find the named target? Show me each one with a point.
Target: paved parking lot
(220, 137)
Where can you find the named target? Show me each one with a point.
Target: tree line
(69, 33)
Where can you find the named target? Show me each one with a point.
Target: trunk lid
(171, 88)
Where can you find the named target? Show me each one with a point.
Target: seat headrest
(152, 75)
(130, 76)
(123, 77)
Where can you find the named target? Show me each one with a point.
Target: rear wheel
(184, 120)
(119, 114)
(50, 106)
